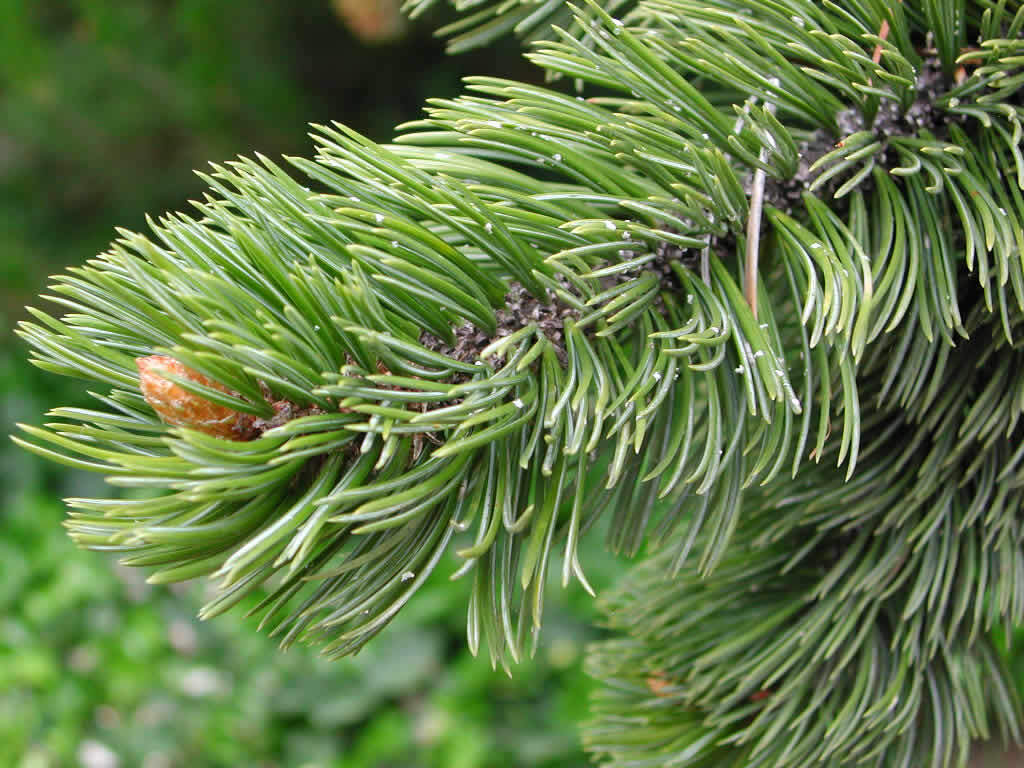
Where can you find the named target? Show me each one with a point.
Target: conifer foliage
(752, 290)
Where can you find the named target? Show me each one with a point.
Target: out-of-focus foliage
(107, 107)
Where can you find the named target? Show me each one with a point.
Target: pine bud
(183, 409)
(657, 684)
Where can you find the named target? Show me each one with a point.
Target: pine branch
(529, 311)
(753, 667)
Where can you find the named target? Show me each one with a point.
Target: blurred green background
(106, 106)
(105, 109)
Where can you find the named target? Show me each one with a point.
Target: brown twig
(754, 237)
(883, 33)
(754, 225)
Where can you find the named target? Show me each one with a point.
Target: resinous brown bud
(183, 409)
